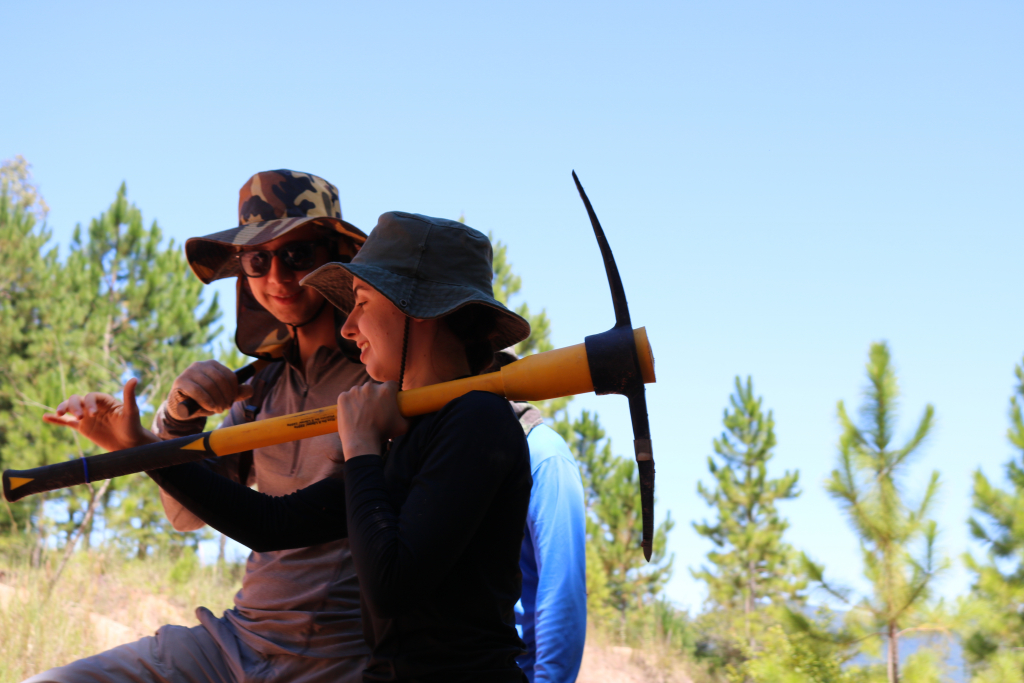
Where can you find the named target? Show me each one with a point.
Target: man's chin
(295, 312)
(291, 317)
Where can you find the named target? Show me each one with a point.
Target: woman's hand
(101, 418)
(367, 417)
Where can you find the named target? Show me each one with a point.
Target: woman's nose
(349, 327)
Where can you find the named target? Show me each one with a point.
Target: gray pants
(178, 654)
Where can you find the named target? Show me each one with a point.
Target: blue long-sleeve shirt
(552, 613)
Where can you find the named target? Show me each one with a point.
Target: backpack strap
(528, 416)
(262, 383)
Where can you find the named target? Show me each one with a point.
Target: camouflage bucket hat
(427, 267)
(270, 205)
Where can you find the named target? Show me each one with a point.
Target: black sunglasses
(295, 256)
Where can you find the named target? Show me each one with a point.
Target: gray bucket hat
(427, 267)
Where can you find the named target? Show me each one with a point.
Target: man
(551, 616)
(297, 615)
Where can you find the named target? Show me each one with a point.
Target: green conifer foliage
(506, 285)
(143, 302)
(120, 305)
(26, 274)
(622, 588)
(620, 583)
(994, 628)
(869, 484)
(16, 175)
(752, 567)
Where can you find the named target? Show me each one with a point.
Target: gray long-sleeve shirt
(303, 601)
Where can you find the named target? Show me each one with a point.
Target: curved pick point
(614, 281)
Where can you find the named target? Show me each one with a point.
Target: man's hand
(367, 417)
(211, 384)
(101, 418)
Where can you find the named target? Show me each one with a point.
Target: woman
(435, 517)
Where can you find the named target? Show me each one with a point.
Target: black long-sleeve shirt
(435, 529)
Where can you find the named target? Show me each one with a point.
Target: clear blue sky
(782, 183)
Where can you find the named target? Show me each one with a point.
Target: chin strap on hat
(295, 327)
(405, 349)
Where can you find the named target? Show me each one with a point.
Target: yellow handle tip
(17, 482)
(645, 354)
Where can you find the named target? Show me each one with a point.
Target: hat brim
(210, 257)
(422, 299)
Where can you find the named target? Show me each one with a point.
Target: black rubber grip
(241, 374)
(151, 456)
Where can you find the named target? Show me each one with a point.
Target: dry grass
(103, 600)
(100, 601)
(606, 662)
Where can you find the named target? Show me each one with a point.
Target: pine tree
(619, 581)
(16, 175)
(994, 633)
(869, 486)
(753, 567)
(144, 316)
(120, 305)
(506, 285)
(27, 268)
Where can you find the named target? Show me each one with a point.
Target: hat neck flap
(258, 333)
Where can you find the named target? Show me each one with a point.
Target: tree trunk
(221, 555)
(39, 549)
(83, 528)
(748, 604)
(10, 512)
(894, 654)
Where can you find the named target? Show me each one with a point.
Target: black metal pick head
(615, 368)
(614, 281)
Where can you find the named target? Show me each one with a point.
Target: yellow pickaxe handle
(553, 374)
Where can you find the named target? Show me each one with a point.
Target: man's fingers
(212, 384)
(89, 404)
(244, 391)
(61, 420)
(226, 380)
(128, 396)
(75, 405)
(198, 393)
(219, 382)
(223, 372)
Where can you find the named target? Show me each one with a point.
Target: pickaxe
(618, 361)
